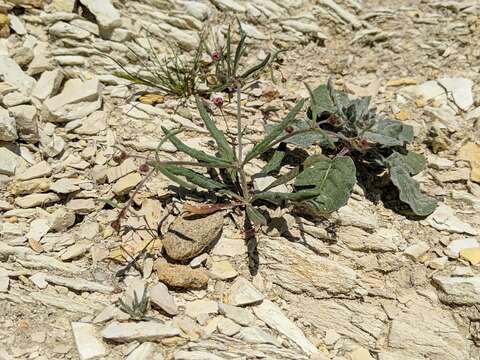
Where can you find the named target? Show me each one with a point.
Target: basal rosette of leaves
(348, 126)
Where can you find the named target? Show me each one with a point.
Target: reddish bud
(218, 101)
(115, 225)
(118, 158)
(364, 143)
(216, 56)
(332, 120)
(289, 129)
(144, 168)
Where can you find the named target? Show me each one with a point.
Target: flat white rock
(108, 17)
(242, 292)
(240, 315)
(228, 327)
(14, 75)
(48, 84)
(274, 317)
(87, 341)
(459, 290)
(461, 90)
(42, 169)
(444, 218)
(256, 335)
(161, 297)
(78, 99)
(203, 306)
(140, 331)
(8, 162)
(145, 351)
(196, 355)
(8, 130)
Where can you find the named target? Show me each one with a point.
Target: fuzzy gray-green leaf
(409, 191)
(332, 178)
(390, 133)
(411, 161)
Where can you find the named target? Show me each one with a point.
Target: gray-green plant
(376, 144)
(138, 308)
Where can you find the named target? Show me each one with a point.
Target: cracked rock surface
(364, 283)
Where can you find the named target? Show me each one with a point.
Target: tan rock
(4, 26)
(35, 200)
(361, 354)
(81, 206)
(62, 219)
(30, 186)
(222, 270)
(471, 153)
(181, 276)
(127, 183)
(472, 255)
(402, 82)
(126, 167)
(188, 237)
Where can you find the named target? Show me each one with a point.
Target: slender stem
(240, 163)
(239, 125)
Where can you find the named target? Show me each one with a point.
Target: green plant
(139, 307)
(376, 145)
(173, 75)
(322, 183)
(228, 69)
(178, 76)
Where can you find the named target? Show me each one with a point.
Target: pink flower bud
(217, 101)
(216, 56)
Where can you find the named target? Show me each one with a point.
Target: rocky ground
(365, 283)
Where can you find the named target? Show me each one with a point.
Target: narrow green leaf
(306, 139)
(256, 68)
(194, 177)
(409, 191)
(196, 154)
(238, 53)
(264, 145)
(274, 163)
(255, 216)
(175, 178)
(229, 53)
(224, 148)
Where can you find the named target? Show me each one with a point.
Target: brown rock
(181, 276)
(4, 26)
(30, 186)
(188, 237)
